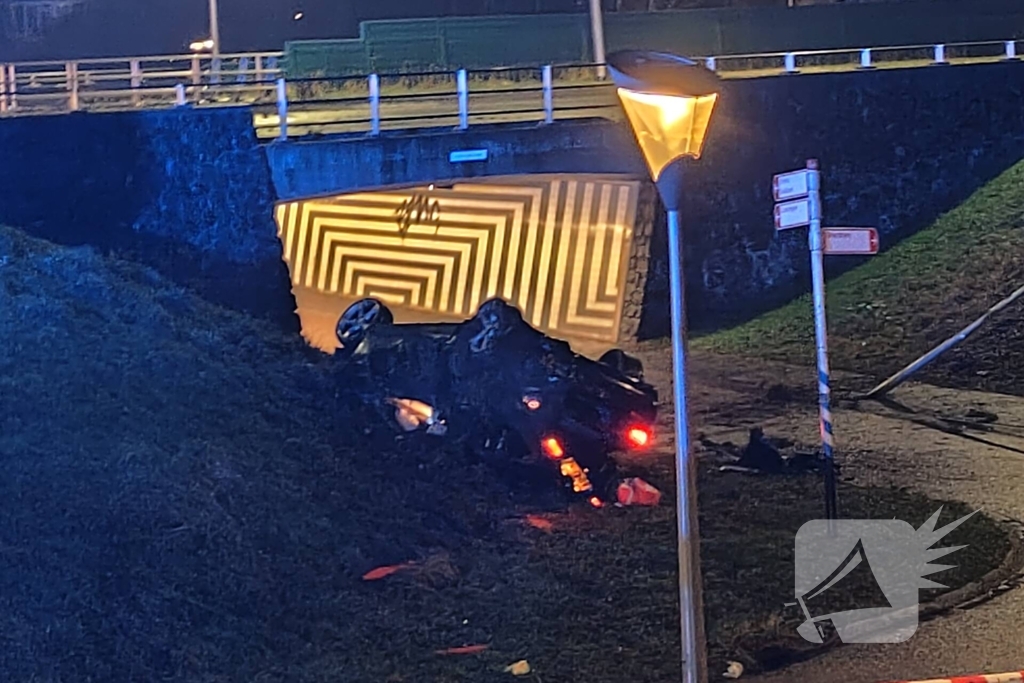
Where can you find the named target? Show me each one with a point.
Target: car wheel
(624, 363)
(496, 318)
(356, 322)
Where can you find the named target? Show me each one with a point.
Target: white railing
(377, 102)
(139, 82)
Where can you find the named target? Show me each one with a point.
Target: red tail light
(638, 437)
(552, 448)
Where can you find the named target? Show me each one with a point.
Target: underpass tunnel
(568, 250)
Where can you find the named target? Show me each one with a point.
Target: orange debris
(636, 491)
(538, 522)
(384, 572)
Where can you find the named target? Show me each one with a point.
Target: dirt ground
(938, 442)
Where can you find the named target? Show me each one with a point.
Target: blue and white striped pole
(821, 339)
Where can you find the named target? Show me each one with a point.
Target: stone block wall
(186, 192)
(897, 148)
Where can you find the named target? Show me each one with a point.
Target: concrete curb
(1011, 677)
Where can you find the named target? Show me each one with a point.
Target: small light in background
(200, 45)
(298, 15)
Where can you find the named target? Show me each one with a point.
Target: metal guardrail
(29, 88)
(376, 102)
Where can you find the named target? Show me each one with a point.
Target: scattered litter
(464, 650)
(636, 491)
(520, 668)
(538, 522)
(412, 415)
(735, 670)
(386, 571)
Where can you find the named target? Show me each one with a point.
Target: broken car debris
(514, 396)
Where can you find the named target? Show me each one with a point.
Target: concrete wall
(329, 166)
(188, 193)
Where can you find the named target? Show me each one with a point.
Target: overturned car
(519, 400)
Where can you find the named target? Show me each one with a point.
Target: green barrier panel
(413, 45)
(487, 42)
(304, 59)
(508, 41)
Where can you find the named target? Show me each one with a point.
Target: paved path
(989, 477)
(729, 398)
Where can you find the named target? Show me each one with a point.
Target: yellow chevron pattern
(557, 247)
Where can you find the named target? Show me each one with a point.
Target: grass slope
(184, 498)
(901, 303)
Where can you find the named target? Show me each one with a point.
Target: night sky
(146, 27)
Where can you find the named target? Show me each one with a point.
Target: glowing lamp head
(668, 101)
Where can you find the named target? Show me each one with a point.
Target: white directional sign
(791, 185)
(850, 241)
(794, 214)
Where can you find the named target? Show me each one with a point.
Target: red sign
(850, 241)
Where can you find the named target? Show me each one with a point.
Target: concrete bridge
(557, 217)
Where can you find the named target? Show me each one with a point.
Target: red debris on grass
(636, 491)
(386, 571)
(538, 522)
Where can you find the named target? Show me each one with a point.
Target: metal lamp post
(668, 101)
(214, 28)
(597, 35)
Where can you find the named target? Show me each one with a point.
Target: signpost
(851, 241)
(798, 203)
(793, 214)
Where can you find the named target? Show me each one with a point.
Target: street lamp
(214, 28)
(668, 101)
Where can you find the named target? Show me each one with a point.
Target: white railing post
(3, 88)
(12, 85)
(790, 63)
(215, 65)
(549, 94)
(179, 95)
(865, 58)
(374, 104)
(136, 72)
(463, 88)
(282, 108)
(710, 63)
(1011, 49)
(71, 82)
(242, 72)
(258, 66)
(197, 73)
(940, 54)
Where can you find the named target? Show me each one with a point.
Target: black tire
(495, 318)
(357, 321)
(622, 362)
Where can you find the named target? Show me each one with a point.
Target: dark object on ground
(762, 456)
(517, 398)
